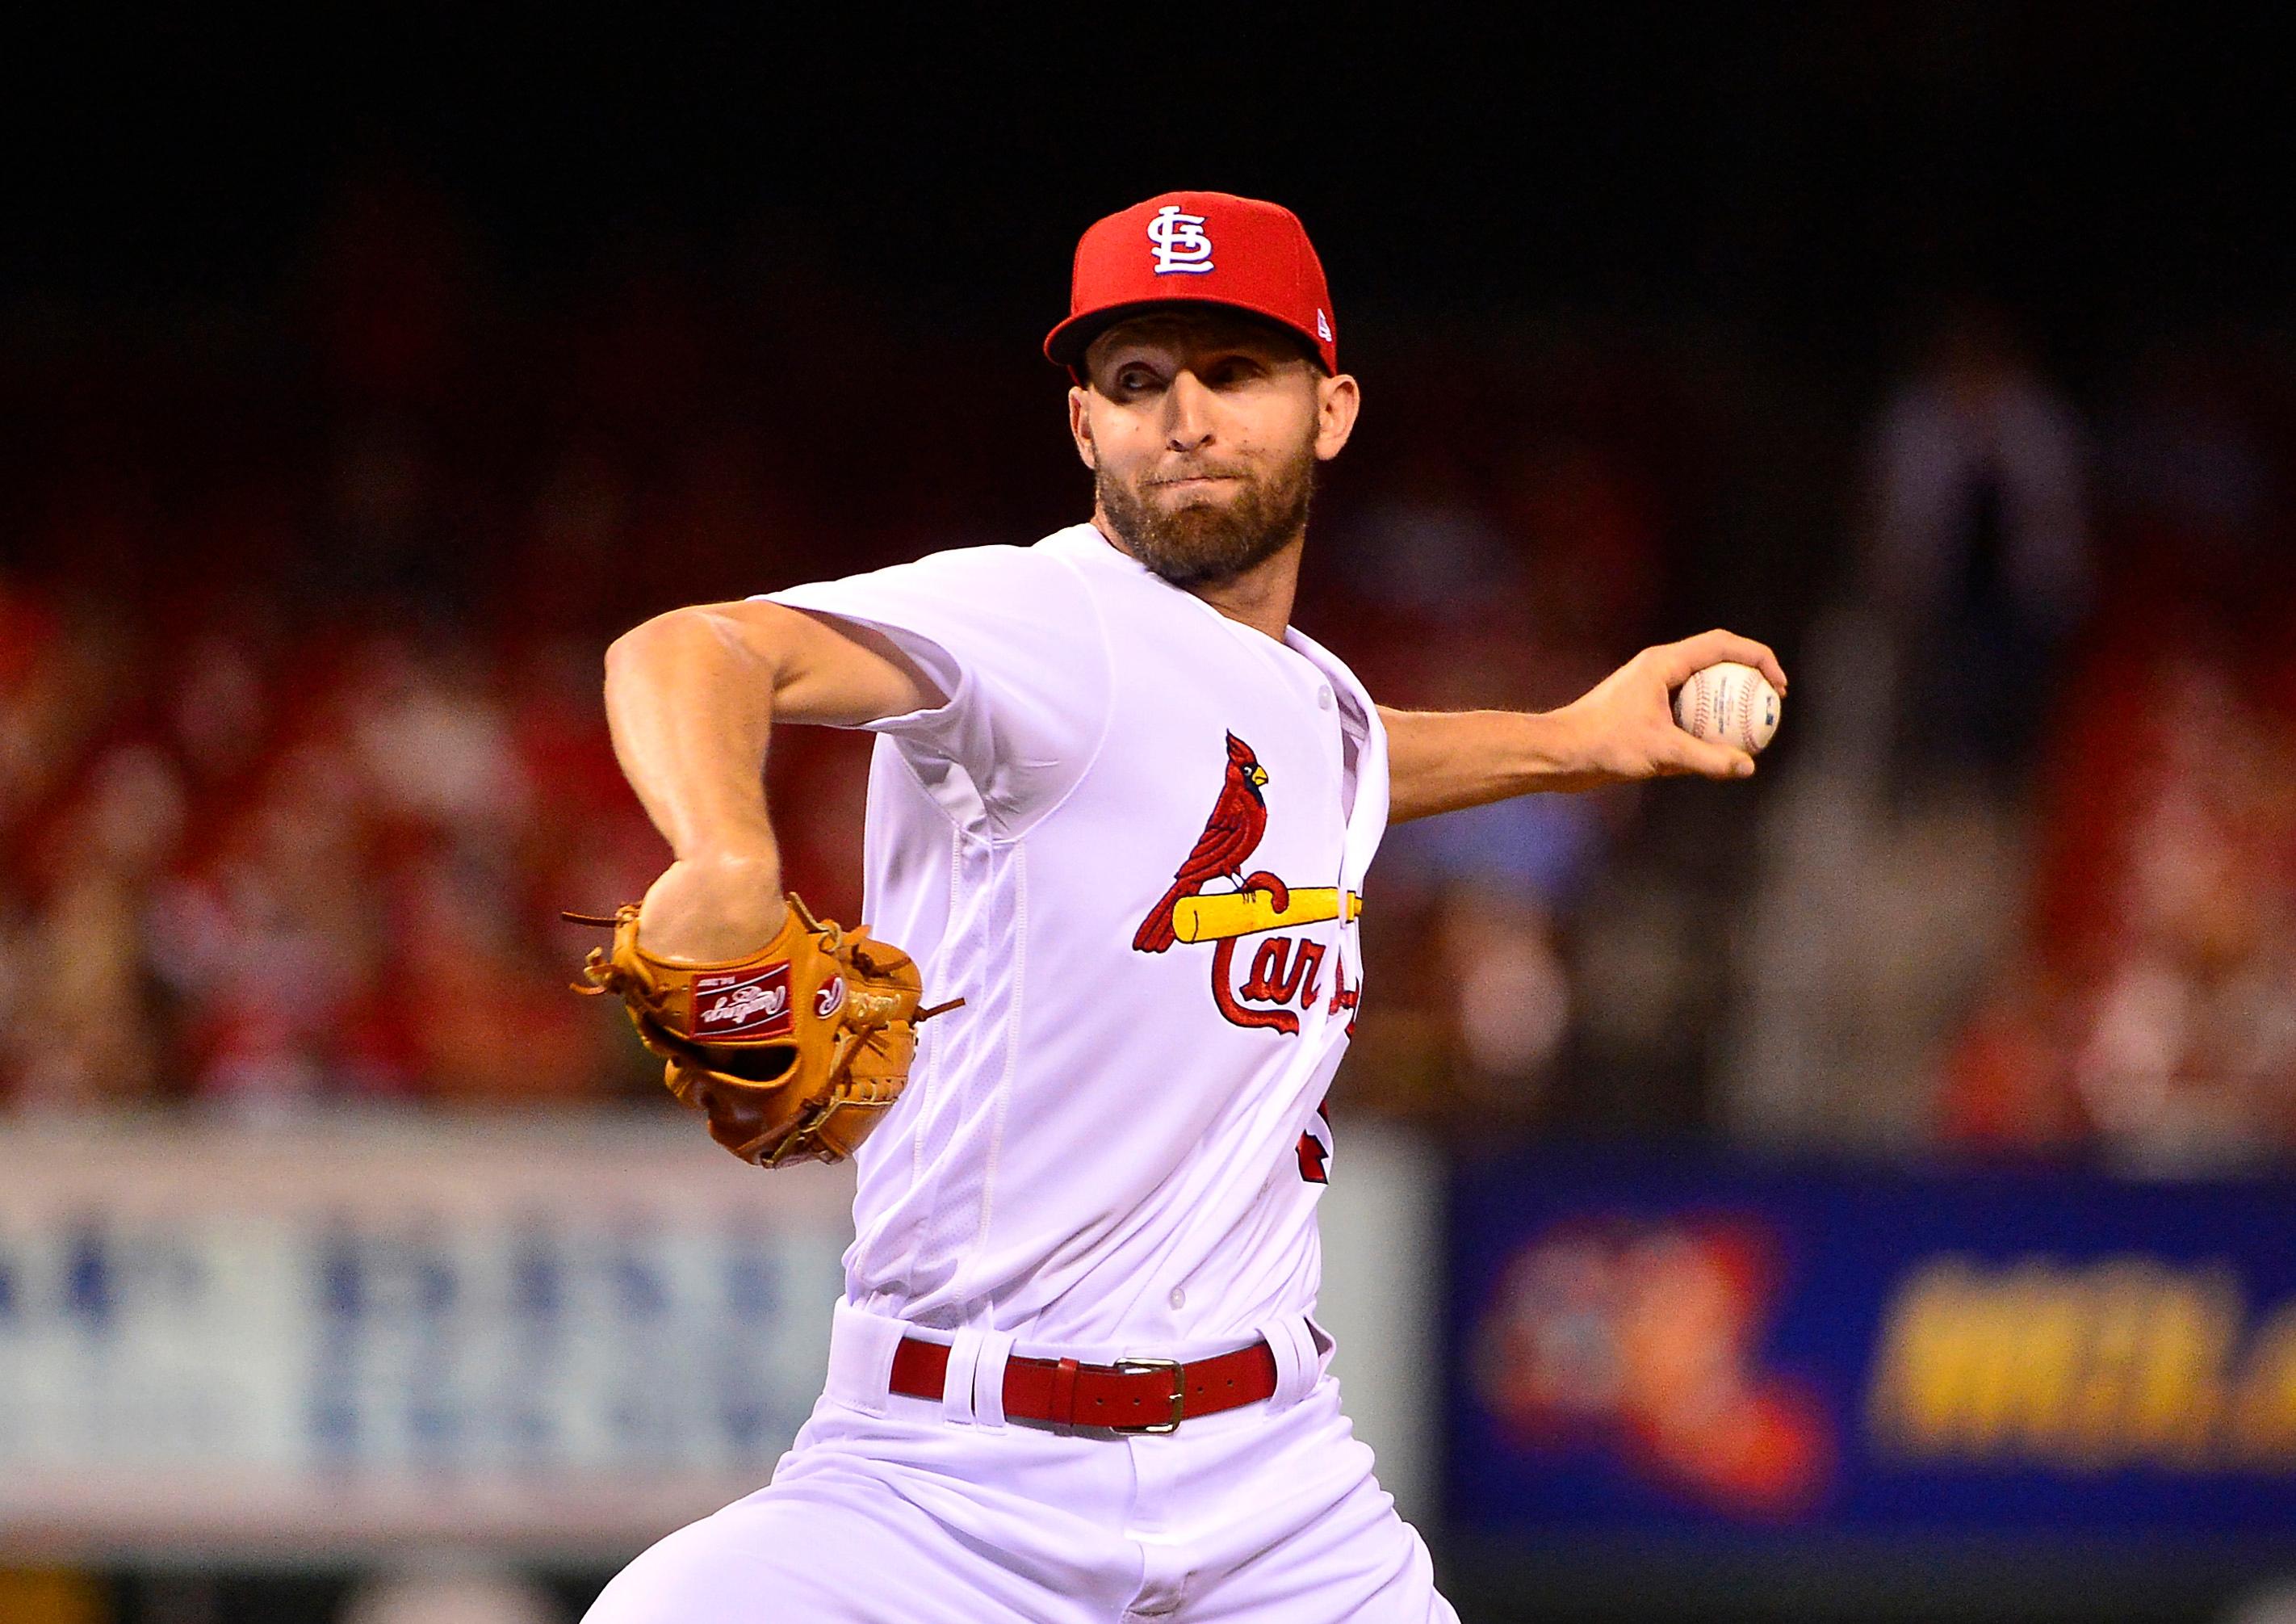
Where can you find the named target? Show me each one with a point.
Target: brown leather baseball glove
(794, 1053)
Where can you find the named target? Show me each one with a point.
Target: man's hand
(713, 910)
(1623, 729)
(794, 1050)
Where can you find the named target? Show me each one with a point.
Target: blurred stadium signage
(2085, 1370)
(1667, 1348)
(554, 1337)
(545, 1334)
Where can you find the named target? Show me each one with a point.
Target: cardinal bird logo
(1287, 965)
(1231, 835)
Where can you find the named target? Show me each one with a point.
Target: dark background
(1811, 171)
(777, 286)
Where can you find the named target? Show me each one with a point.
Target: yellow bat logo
(1248, 912)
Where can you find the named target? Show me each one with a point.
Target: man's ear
(1080, 427)
(1337, 401)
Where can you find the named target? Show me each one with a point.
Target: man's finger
(1686, 753)
(1695, 653)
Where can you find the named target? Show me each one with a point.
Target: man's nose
(1187, 414)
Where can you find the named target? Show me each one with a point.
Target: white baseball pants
(892, 1510)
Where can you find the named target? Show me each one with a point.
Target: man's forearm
(1440, 760)
(690, 705)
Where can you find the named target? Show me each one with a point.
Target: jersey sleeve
(1012, 637)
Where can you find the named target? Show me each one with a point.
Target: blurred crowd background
(361, 379)
(301, 747)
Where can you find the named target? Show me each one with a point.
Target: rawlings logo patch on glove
(743, 1006)
(794, 1053)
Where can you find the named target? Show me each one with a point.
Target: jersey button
(1322, 698)
(1179, 1298)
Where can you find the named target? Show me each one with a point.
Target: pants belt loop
(1297, 1364)
(1064, 1398)
(956, 1387)
(988, 1377)
(861, 1347)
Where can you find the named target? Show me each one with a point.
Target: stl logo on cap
(1180, 241)
(1267, 267)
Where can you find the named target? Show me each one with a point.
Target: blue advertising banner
(1653, 1348)
(350, 1334)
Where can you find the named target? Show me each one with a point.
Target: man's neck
(1260, 598)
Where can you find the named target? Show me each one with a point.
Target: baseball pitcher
(1121, 816)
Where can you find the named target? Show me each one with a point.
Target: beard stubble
(1204, 543)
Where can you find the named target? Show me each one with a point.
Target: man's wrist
(1558, 750)
(1549, 743)
(750, 861)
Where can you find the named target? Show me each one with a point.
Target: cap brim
(1064, 345)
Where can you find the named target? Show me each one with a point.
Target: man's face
(1202, 431)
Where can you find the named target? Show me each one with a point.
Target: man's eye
(1135, 377)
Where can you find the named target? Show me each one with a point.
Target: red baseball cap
(1197, 248)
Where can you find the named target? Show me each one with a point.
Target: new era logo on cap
(1200, 247)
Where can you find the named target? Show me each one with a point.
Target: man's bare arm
(1621, 730)
(691, 697)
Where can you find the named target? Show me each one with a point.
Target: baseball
(1728, 704)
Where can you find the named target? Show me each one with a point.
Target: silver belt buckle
(1140, 1367)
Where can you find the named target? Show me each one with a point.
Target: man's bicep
(1001, 651)
(830, 670)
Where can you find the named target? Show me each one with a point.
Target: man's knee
(694, 1576)
(858, 1557)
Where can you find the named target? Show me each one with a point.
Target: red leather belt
(1132, 1395)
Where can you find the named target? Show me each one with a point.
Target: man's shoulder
(1317, 654)
(1047, 564)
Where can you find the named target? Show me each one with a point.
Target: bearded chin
(1205, 543)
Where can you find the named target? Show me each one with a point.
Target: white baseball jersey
(1132, 840)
